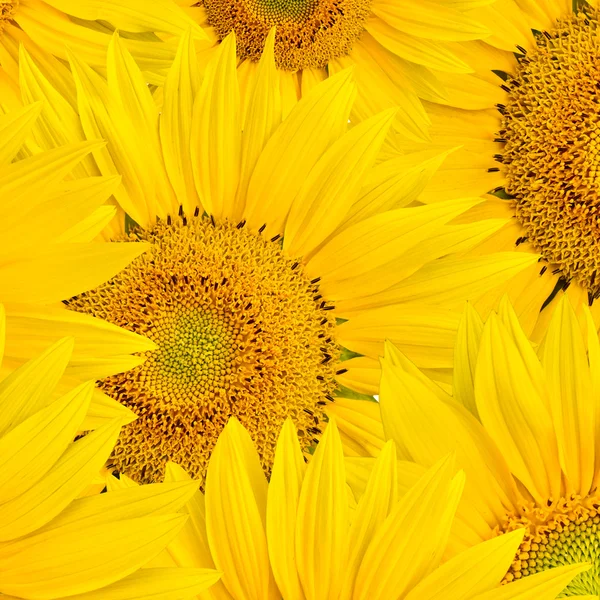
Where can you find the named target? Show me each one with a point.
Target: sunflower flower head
(550, 147)
(303, 535)
(273, 243)
(56, 541)
(525, 121)
(523, 421)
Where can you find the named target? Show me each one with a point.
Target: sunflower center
(310, 33)
(565, 533)
(239, 330)
(551, 128)
(7, 11)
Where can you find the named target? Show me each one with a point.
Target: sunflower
(47, 27)
(401, 50)
(304, 536)
(523, 422)
(54, 543)
(268, 243)
(526, 123)
(46, 256)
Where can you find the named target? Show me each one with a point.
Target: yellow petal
(428, 425)
(103, 409)
(282, 508)
(474, 571)
(102, 117)
(410, 542)
(333, 184)
(14, 129)
(62, 561)
(429, 53)
(59, 124)
(322, 525)
(24, 180)
(426, 336)
(295, 148)
(29, 450)
(29, 389)
(359, 423)
(66, 207)
(126, 82)
(466, 351)
(69, 476)
(63, 270)
(452, 280)
(216, 133)
(151, 584)
(374, 506)
(541, 586)
(514, 414)
(137, 16)
(236, 499)
(429, 20)
(263, 116)
(180, 90)
(394, 183)
(573, 406)
(364, 256)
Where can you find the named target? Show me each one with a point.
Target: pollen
(240, 331)
(563, 533)
(550, 131)
(310, 33)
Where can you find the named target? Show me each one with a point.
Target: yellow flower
(54, 543)
(47, 27)
(402, 50)
(526, 128)
(269, 248)
(303, 536)
(523, 422)
(46, 256)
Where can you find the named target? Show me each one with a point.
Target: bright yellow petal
(180, 90)
(428, 425)
(216, 134)
(541, 586)
(29, 389)
(322, 525)
(90, 556)
(29, 450)
(136, 16)
(333, 184)
(69, 476)
(474, 571)
(295, 148)
(394, 183)
(236, 502)
(413, 536)
(282, 510)
(429, 20)
(363, 259)
(64, 270)
(514, 414)
(155, 584)
(573, 407)
(374, 507)
(263, 116)
(14, 129)
(127, 84)
(466, 351)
